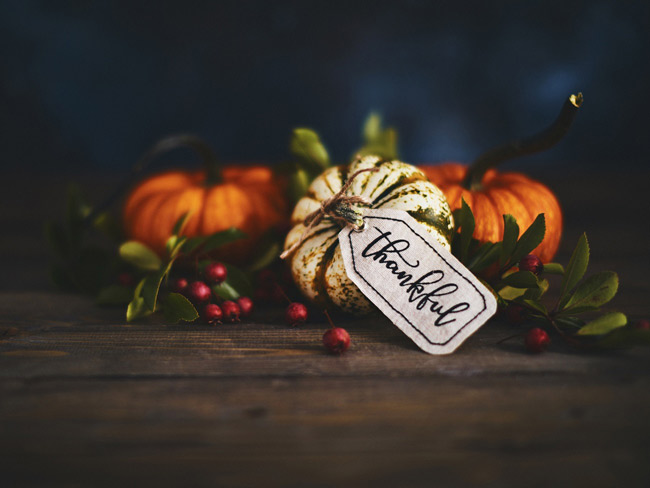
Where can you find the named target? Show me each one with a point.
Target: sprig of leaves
(578, 295)
(155, 271)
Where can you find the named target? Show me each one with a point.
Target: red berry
(179, 285)
(216, 273)
(198, 292)
(336, 340)
(515, 314)
(643, 324)
(537, 340)
(296, 314)
(231, 311)
(531, 263)
(245, 306)
(212, 314)
(126, 279)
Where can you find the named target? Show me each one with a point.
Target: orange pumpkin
(491, 194)
(501, 193)
(249, 198)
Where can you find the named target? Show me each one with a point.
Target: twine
(337, 208)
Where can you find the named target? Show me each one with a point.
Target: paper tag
(419, 285)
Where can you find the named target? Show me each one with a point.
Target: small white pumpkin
(317, 263)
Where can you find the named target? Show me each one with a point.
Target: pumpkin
(501, 193)
(315, 259)
(491, 194)
(248, 198)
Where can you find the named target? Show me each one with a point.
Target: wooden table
(89, 400)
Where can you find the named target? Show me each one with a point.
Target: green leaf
(151, 286)
(174, 245)
(567, 321)
(239, 280)
(594, 291)
(114, 295)
(536, 293)
(534, 305)
(226, 291)
(306, 147)
(136, 309)
(299, 181)
(553, 268)
(604, 324)
(510, 236)
(107, 225)
(378, 141)
(176, 308)
(530, 239)
(139, 255)
(510, 293)
(625, 337)
(466, 223)
(77, 207)
(576, 268)
(269, 254)
(521, 279)
(486, 255)
(180, 224)
(213, 241)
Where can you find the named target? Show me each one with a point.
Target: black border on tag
(354, 265)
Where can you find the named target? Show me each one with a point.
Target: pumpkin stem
(213, 173)
(522, 147)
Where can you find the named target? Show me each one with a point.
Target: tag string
(338, 208)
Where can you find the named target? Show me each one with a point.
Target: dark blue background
(93, 84)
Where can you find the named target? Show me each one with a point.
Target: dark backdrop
(92, 84)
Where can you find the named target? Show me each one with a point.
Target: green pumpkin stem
(522, 147)
(212, 167)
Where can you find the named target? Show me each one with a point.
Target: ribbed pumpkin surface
(502, 193)
(317, 264)
(247, 198)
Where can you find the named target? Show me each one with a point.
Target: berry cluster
(200, 293)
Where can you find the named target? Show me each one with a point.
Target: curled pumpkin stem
(522, 147)
(212, 168)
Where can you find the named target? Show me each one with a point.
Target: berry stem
(522, 147)
(329, 319)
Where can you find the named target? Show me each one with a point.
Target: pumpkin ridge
(319, 279)
(498, 211)
(403, 181)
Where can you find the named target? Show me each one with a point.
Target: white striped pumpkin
(317, 264)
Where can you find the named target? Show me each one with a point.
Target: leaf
(266, 257)
(151, 286)
(534, 305)
(176, 308)
(576, 268)
(139, 255)
(226, 291)
(239, 281)
(510, 236)
(306, 147)
(521, 279)
(114, 295)
(180, 224)
(378, 141)
(594, 291)
(604, 324)
(299, 181)
(567, 321)
(174, 245)
(107, 225)
(625, 337)
(537, 292)
(553, 268)
(136, 309)
(486, 255)
(510, 293)
(466, 223)
(530, 239)
(213, 241)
